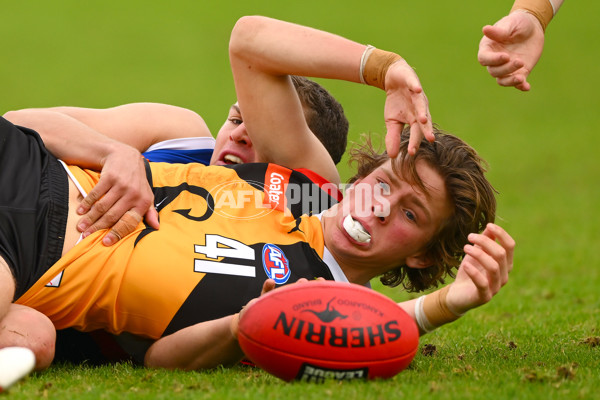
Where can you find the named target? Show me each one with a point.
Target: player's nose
(240, 135)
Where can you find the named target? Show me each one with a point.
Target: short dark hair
(472, 196)
(324, 115)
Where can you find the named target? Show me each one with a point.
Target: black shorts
(34, 204)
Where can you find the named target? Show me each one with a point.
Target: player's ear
(419, 261)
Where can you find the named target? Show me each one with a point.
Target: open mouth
(231, 159)
(356, 230)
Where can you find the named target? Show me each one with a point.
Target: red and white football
(328, 330)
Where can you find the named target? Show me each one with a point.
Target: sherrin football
(328, 330)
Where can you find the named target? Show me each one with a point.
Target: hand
(268, 286)
(120, 199)
(405, 103)
(483, 271)
(511, 48)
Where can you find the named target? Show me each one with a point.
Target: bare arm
(139, 125)
(204, 345)
(110, 141)
(264, 52)
(201, 346)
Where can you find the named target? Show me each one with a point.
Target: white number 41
(218, 246)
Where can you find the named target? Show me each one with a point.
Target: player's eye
(385, 188)
(410, 215)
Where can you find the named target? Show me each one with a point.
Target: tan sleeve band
(541, 9)
(376, 66)
(436, 310)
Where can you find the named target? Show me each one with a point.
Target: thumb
(151, 217)
(496, 33)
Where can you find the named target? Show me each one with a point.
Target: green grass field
(538, 339)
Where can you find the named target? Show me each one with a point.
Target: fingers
(124, 226)
(490, 58)
(114, 205)
(488, 268)
(524, 86)
(517, 80)
(491, 55)
(96, 206)
(118, 216)
(392, 138)
(491, 253)
(471, 267)
(506, 69)
(421, 126)
(92, 197)
(406, 103)
(496, 232)
(268, 285)
(416, 135)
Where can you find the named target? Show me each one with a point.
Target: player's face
(233, 145)
(384, 222)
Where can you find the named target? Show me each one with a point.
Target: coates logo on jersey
(276, 264)
(276, 180)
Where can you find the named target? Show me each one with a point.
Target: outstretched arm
(513, 45)
(264, 52)
(482, 273)
(201, 346)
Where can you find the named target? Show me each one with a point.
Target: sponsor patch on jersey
(276, 181)
(276, 264)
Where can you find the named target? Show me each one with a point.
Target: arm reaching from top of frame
(513, 45)
(264, 52)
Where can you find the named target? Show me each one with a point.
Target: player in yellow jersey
(222, 236)
(223, 230)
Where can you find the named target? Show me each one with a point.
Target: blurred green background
(542, 146)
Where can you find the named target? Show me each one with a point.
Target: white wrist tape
(422, 321)
(363, 62)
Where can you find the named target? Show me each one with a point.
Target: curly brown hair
(472, 196)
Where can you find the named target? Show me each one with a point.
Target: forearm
(95, 131)
(555, 4)
(264, 52)
(281, 48)
(543, 10)
(430, 311)
(140, 124)
(67, 138)
(201, 346)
